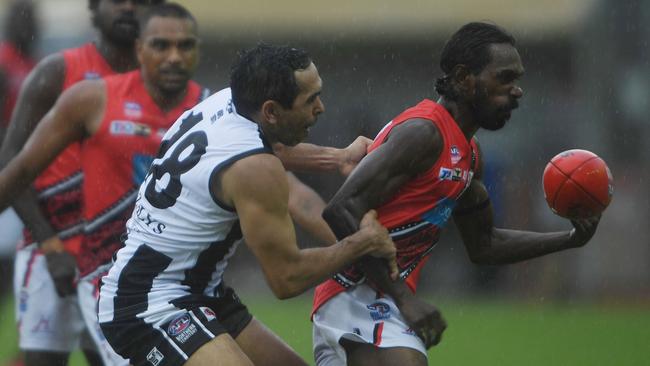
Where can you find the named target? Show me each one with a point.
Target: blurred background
(587, 85)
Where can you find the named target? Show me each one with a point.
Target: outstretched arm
(410, 149)
(486, 244)
(310, 157)
(37, 96)
(256, 187)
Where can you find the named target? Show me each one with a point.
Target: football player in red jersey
(53, 215)
(423, 168)
(16, 61)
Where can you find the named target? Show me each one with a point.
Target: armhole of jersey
(226, 163)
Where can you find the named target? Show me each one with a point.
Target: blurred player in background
(50, 322)
(16, 61)
(423, 168)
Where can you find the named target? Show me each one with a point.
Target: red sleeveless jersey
(116, 159)
(59, 185)
(422, 206)
(15, 66)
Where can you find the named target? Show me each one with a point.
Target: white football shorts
(359, 315)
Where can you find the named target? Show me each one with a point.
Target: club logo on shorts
(179, 324)
(154, 356)
(379, 311)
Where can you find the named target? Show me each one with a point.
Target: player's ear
(463, 80)
(270, 111)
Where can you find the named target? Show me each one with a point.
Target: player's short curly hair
(264, 73)
(469, 47)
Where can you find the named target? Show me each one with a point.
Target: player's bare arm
(310, 157)
(38, 94)
(489, 245)
(269, 232)
(306, 208)
(75, 115)
(410, 149)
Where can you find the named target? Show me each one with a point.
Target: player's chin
(173, 86)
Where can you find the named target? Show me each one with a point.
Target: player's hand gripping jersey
(422, 206)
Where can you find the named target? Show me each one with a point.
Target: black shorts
(173, 342)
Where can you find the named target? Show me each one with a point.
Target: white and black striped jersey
(180, 237)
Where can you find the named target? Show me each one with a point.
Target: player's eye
(159, 44)
(187, 45)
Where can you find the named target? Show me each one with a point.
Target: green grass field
(479, 333)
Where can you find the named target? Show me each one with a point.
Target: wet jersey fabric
(181, 236)
(15, 67)
(422, 206)
(59, 185)
(116, 159)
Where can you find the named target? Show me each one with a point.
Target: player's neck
(462, 115)
(120, 57)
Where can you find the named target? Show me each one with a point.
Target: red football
(577, 184)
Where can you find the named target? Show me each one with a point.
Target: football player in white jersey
(215, 181)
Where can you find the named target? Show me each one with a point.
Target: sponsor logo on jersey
(455, 174)
(91, 75)
(132, 109)
(209, 314)
(455, 154)
(178, 325)
(154, 356)
(130, 128)
(379, 311)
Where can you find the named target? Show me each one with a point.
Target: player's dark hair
(469, 46)
(266, 73)
(92, 4)
(166, 10)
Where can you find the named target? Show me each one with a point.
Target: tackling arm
(486, 244)
(310, 157)
(306, 208)
(269, 232)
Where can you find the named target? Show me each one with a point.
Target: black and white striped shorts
(173, 341)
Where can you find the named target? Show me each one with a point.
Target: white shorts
(88, 293)
(360, 316)
(46, 322)
(12, 233)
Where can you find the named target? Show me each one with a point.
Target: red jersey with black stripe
(422, 206)
(116, 159)
(15, 66)
(59, 185)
